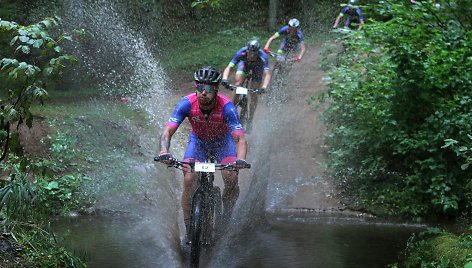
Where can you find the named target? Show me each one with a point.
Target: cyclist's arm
(236, 58)
(227, 70)
(237, 132)
(361, 19)
(338, 18)
(360, 25)
(181, 111)
(164, 141)
(272, 38)
(302, 50)
(266, 81)
(241, 145)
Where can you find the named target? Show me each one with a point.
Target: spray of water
(117, 61)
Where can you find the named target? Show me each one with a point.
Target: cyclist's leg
(282, 46)
(255, 84)
(347, 24)
(225, 154)
(239, 79)
(195, 151)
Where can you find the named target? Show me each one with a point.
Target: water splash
(117, 60)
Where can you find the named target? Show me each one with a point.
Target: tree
(401, 91)
(34, 58)
(273, 14)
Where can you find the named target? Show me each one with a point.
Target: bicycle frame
(206, 204)
(246, 106)
(280, 68)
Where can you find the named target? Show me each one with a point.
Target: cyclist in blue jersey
(354, 16)
(249, 57)
(293, 40)
(215, 128)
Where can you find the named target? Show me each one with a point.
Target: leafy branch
(35, 57)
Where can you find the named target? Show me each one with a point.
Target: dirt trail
(296, 152)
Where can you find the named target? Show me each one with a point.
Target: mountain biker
(354, 15)
(249, 57)
(293, 39)
(215, 127)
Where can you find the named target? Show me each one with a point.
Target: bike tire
(243, 111)
(217, 205)
(196, 230)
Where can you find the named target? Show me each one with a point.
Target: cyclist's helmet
(294, 23)
(351, 2)
(253, 46)
(207, 75)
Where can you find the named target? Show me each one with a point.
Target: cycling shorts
(224, 149)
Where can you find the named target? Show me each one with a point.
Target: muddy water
(303, 241)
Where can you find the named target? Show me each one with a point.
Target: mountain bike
(281, 67)
(206, 205)
(246, 106)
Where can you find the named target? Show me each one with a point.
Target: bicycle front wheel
(243, 110)
(196, 230)
(217, 211)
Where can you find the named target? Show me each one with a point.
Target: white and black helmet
(253, 45)
(351, 2)
(207, 75)
(294, 23)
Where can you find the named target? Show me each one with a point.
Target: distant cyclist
(216, 128)
(247, 58)
(354, 16)
(293, 40)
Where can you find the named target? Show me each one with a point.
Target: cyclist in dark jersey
(250, 57)
(216, 128)
(293, 39)
(354, 16)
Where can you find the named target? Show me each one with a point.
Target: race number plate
(241, 90)
(204, 167)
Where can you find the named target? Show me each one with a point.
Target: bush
(402, 90)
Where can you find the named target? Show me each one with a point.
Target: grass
(193, 51)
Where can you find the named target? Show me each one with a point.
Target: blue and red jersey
(221, 122)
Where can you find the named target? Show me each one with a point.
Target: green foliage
(437, 248)
(38, 246)
(205, 3)
(34, 58)
(31, 193)
(401, 90)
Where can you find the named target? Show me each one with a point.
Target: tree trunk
(273, 14)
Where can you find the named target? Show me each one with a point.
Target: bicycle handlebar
(255, 91)
(178, 164)
(280, 57)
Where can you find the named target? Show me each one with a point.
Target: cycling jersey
(258, 65)
(214, 133)
(291, 40)
(354, 15)
(222, 120)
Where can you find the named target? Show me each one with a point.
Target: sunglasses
(207, 88)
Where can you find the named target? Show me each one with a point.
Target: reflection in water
(325, 245)
(119, 241)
